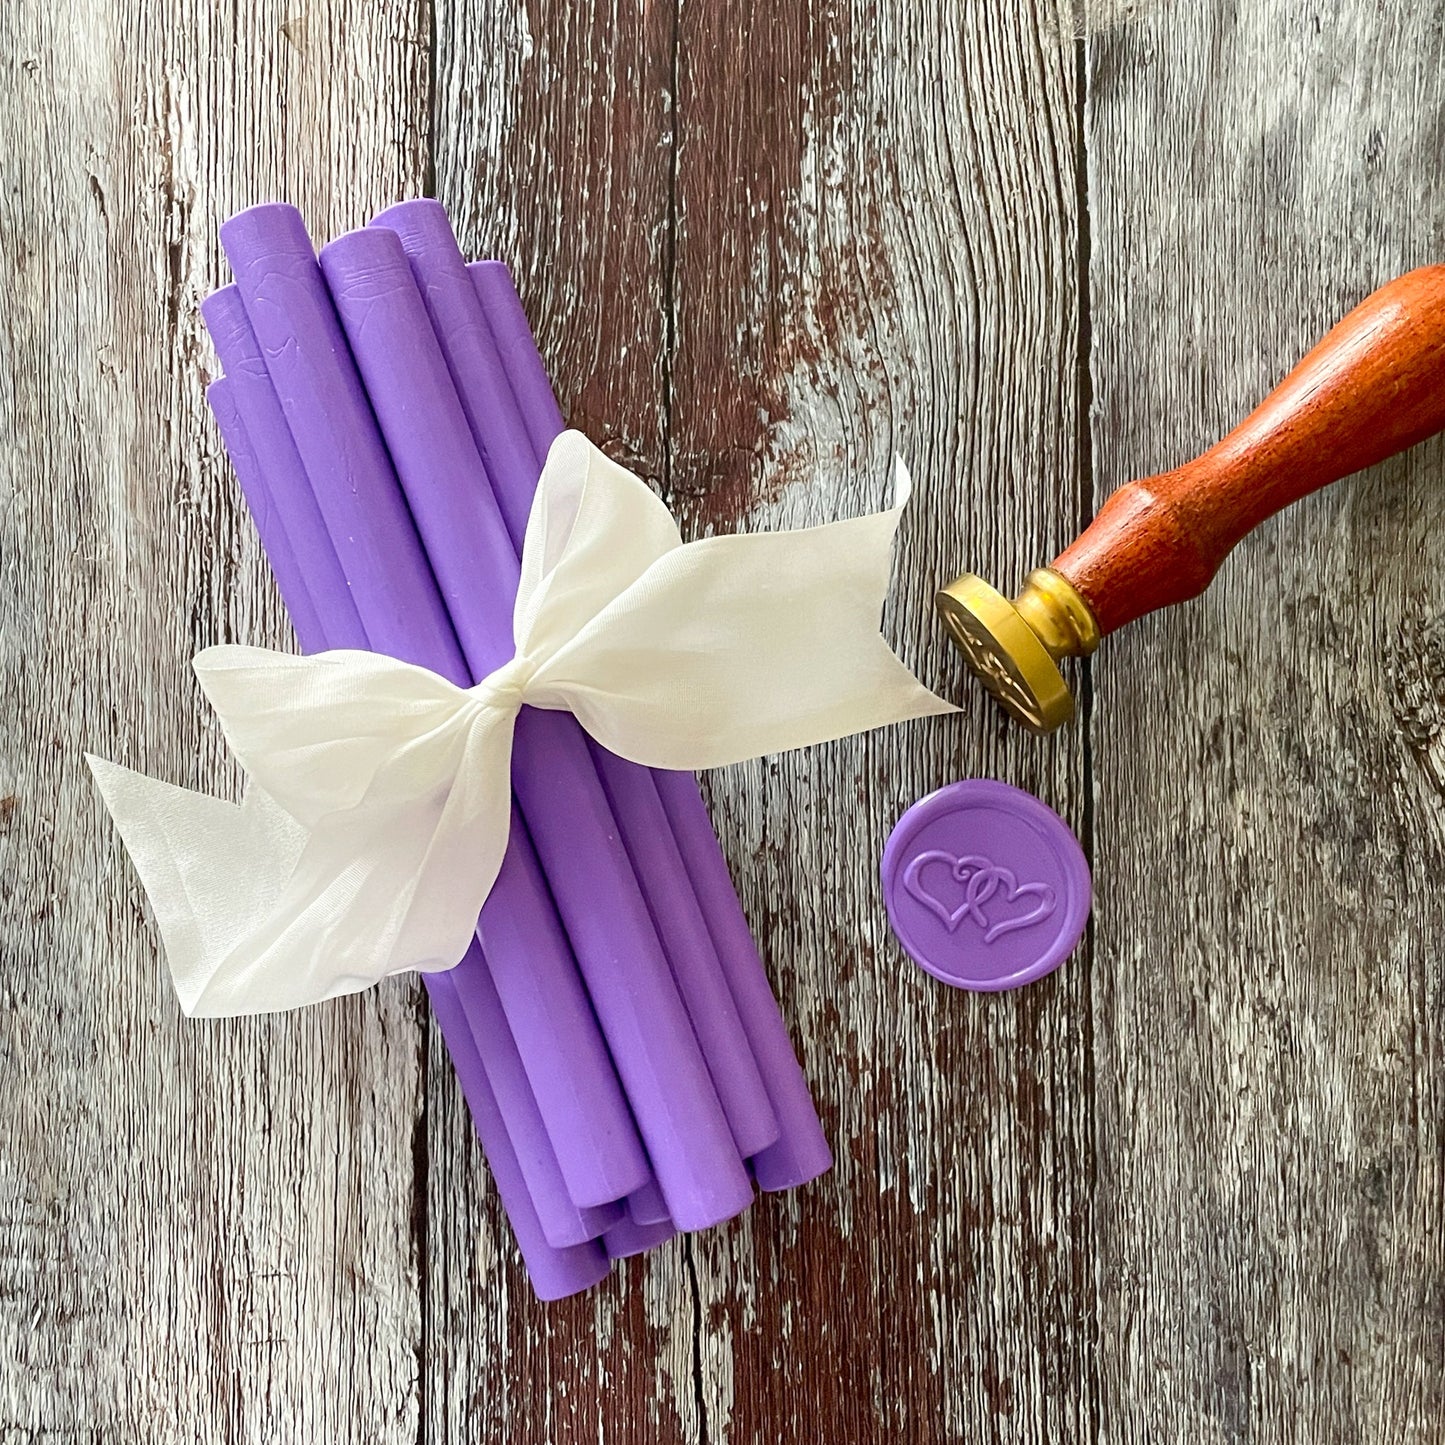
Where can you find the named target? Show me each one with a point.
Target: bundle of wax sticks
(625, 1063)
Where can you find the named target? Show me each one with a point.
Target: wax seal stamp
(1370, 389)
(986, 887)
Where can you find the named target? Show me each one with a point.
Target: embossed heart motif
(982, 880)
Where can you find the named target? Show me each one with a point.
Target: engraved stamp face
(994, 669)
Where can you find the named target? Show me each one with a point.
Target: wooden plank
(856, 233)
(552, 143)
(876, 255)
(210, 1230)
(1268, 988)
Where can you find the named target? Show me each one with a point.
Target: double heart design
(982, 880)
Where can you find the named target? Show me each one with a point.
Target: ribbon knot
(506, 688)
(373, 826)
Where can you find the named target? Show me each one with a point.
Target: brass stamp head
(1014, 647)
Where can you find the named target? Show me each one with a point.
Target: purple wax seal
(986, 887)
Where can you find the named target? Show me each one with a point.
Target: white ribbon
(377, 814)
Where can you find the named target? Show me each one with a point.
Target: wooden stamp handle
(1374, 386)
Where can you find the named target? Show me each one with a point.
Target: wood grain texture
(208, 1230)
(1190, 1187)
(765, 250)
(545, 116)
(1269, 910)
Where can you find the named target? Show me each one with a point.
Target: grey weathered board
(1268, 998)
(1191, 1187)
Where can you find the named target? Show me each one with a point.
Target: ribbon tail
(209, 868)
(261, 913)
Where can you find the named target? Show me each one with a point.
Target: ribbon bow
(379, 800)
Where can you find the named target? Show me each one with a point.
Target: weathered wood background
(1189, 1188)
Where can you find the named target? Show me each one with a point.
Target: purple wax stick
(627, 1237)
(554, 1272)
(647, 1206)
(497, 427)
(801, 1152)
(690, 951)
(653, 1045)
(522, 363)
(305, 621)
(562, 1222)
(279, 471)
(468, 1025)
(530, 961)
(350, 470)
(507, 456)
(331, 424)
(500, 1081)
